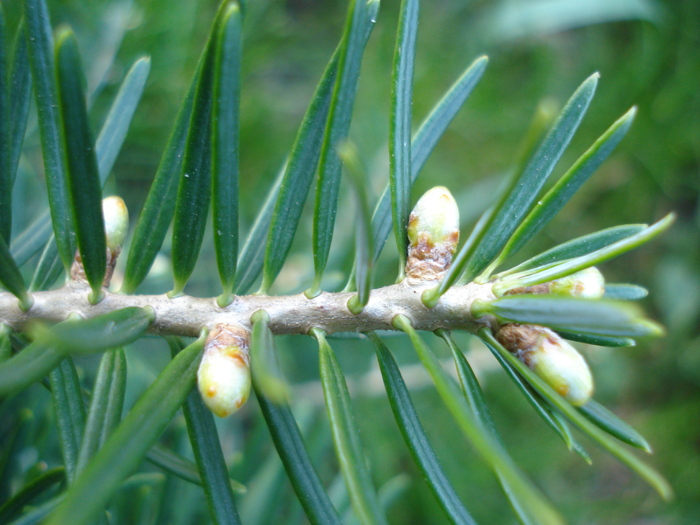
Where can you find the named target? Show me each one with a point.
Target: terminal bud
(433, 234)
(224, 372)
(551, 358)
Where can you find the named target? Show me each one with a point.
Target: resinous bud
(551, 358)
(224, 372)
(116, 217)
(433, 234)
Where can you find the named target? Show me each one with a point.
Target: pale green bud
(433, 234)
(224, 372)
(116, 221)
(554, 360)
(588, 284)
(116, 218)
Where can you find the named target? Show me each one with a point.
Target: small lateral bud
(116, 218)
(588, 284)
(116, 221)
(224, 372)
(433, 234)
(554, 360)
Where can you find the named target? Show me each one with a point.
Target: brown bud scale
(534, 289)
(428, 261)
(521, 339)
(77, 271)
(234, 341)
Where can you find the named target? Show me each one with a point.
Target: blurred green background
(648, 55)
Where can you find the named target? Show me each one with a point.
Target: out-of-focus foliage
(646, 52)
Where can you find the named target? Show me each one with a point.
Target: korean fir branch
(292, 314)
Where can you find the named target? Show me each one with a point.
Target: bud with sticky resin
(433, 234)
(551, 358)
(224, 372)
